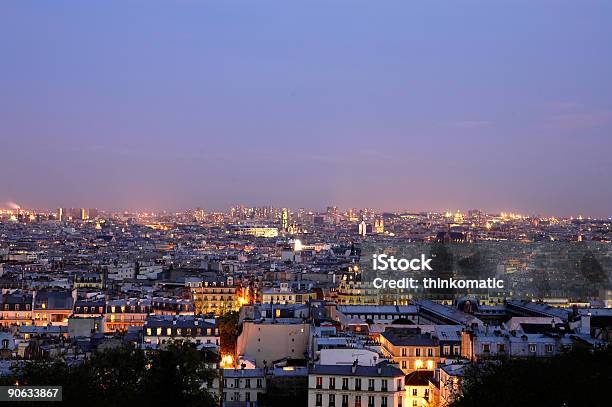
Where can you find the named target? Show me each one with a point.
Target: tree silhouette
(123, 376)
(579, 377)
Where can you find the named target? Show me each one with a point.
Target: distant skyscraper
(379, 226)
(285, 219)
(363, 228)
(200, 214)
(60, 214)
(84, 214)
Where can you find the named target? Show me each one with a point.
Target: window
(429, 352)
(415, 392)
(501, 347)
(549, 348)
(399, 384)
(446, 350)
(344, 383)
(370, 384)
(417, 352)
(383, 401)
(358, 386)
(247, 396)
(236, 383)
(404, 364)
(357, 401)
(383, 385)
(399, 402)
(370, 401)
(332, 382)
(414, 403)
(318, 399)
(532, 348)
(247, 384)
(404, 352)
(332, 400)
(259, 383)
(456, 349)
(345, 400)
(486, 347)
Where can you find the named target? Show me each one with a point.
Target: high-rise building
(363, 227)
(285, 219)
(93, 213)
(60, 214)
(200, 214)
(379, 226)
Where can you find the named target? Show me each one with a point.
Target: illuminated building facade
(52, 308)
(122, 314)
(161, 330)
(411, 351)
(216, 295)
(16, 309)
(253, 230)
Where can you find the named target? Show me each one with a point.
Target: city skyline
(392, 106)
(13, 206)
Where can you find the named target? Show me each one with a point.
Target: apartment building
(160, 330)
(355, 386)
(242, 386)
(410, 349)
(216, 295)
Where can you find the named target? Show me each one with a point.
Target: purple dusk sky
(498, 105)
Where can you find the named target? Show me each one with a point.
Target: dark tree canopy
(124, 376)
(578, 378)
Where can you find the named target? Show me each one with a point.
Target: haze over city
(393, 105)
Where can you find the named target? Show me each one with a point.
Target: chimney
(354, 367)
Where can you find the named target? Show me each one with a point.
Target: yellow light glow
(430, 364)
(418, 364)
(227, 361)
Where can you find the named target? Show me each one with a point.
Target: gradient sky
(498, 105)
